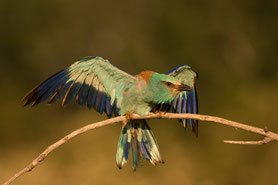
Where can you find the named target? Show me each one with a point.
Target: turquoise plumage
(95, 82)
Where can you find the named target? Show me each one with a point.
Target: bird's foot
(160, 113)
(127, 119)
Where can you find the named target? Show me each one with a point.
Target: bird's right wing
(186, 101)
(92, 81)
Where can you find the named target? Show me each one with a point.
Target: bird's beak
(184, 87)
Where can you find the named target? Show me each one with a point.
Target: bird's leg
(128, 117)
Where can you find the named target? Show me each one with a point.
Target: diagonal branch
(268, 136)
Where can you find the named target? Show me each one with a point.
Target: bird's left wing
(92, 81)
(186, 101)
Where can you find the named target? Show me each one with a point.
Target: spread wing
(92, 81)
(184, 102)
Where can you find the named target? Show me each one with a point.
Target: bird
(95, 82)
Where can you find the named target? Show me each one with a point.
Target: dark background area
(231, 44)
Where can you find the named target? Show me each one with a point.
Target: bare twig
(268, 136)
(261, 142)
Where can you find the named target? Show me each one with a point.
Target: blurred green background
(231, 44)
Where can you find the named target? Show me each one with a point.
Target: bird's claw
(160, 112)
(127, 119)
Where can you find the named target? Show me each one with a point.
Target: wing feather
(93, 81)
(185, 102)
(74, 89)
(83, 93)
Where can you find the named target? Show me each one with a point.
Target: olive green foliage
(231, 44)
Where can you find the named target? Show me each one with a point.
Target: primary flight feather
(95, 82)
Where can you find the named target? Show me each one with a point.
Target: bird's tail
(137, 136)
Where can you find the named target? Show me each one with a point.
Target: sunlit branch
(268, 136)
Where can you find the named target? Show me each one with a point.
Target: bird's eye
(168, 83)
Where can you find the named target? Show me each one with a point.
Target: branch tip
(260, 142)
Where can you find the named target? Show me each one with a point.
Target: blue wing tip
(176, 68)
(84, 59)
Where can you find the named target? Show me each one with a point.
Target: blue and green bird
(95, 82)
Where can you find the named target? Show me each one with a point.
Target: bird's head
(162, 88)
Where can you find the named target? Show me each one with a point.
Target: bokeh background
(231, 44)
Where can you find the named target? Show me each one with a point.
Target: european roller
(95, 82)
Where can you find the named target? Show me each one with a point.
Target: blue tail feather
(138, 137)
(134, 152)
(145, 151)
